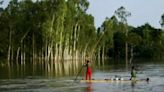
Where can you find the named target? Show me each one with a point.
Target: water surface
(39, 83)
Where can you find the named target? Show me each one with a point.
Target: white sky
(143, 11)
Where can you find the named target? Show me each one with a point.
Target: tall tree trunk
(55, 55)
(42, 58)
(103, 53)
(23, 47)
(33, 48)
(60, 47)
(74, 41)
(12, 54)
(24, 55)
(103, 56)
(46, 55)
(49, 53)
(131, 52)
(126, 46)
(21, 54)
(9, 53)
(99, 56)
(77, 39)
(126, 52)
(9, 47)
(17, 57)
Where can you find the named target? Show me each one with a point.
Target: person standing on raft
(133, 73)
(88, 70)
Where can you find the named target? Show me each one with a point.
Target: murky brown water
(39, 82)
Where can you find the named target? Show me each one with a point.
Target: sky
(142, 11)
(5, 3)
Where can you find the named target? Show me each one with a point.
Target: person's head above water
(147, 79)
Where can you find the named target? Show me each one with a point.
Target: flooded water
(39, 83)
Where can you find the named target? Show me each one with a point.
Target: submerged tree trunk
(46, 55)
(17, 57)
(49, 53)
(9, 54)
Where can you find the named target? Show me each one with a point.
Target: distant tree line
(144, 41)
(54, 30)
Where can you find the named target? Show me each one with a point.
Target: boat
(114, 80)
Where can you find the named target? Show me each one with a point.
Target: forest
(46, 31)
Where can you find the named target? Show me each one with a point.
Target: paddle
(78, 73)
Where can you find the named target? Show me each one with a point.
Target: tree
(162, 20)
(123, 14)
(108, 30)
(134, 40)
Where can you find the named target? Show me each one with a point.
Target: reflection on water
(89, 87)
(53, 81)
(57, 69)
(133, 84)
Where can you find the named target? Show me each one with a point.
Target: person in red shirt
(88, 71)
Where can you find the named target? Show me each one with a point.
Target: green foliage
(119, 44)
(134, 39)
(150, 45)
(122, 14)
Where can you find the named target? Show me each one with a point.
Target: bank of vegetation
(47, 31)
